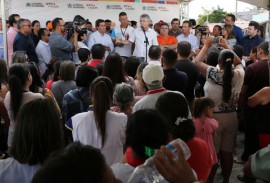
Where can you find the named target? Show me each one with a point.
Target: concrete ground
(237, 168)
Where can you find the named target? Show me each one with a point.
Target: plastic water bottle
(147, 173)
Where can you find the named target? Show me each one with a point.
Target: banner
(44, 10)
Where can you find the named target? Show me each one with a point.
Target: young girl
(206, 127)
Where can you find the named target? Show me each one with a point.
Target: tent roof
(261, 3)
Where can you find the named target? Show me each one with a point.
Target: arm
(262, 97)
(174, 170)
(202, 67)
(111, 45)
(91, 41)
(237, 61)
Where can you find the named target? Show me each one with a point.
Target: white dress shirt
(138, 38)
(43, 52)
(97, 38)
(124, 51)
(193, 40)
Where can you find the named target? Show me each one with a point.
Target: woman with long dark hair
(113, 69)
(34, 33)
(101, 127)
(38, 133)
(223, 86)
(20, 80)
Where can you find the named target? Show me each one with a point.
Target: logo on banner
(77, 6)
(128, 7)
(34, 5)
(114, 7)
(163, 9)
(149, 8)
(91, 6)
(51, 5)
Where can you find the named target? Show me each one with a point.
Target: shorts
(225, 134)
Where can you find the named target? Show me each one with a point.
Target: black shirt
(175, 80)
(25, 43)
(192, 72)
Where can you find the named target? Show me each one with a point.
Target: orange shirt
(166, 41)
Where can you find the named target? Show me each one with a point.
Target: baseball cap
(160, 22)
(152, 74)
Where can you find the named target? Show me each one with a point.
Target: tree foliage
(216, 16)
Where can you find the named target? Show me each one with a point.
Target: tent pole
(4, 29)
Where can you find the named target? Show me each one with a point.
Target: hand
(223, 42)
(197, 51)
(118, 42)
(208, 30)
(245, 58)
(107, 48)
(208, 41)
(173, 169)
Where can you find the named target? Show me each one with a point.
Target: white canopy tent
(260, 3)
(6, 4)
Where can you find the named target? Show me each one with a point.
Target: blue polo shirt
(238, 33)
(25, 43)
(249, 43)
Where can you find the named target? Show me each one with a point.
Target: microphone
(142, 27)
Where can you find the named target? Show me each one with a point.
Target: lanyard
(123, 33)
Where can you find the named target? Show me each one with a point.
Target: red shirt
(94, 63)
(200, 160)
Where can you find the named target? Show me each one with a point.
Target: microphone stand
(146, 43)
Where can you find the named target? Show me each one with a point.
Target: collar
(150, 92)
(23, 34)
(254, 37)
(43, 42)
(97, 60)
(101, 34)
(186, 36)
(131, 159)
(13, 29)
(148, 30)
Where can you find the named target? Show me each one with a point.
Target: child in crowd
(173, 107)
(205, 128)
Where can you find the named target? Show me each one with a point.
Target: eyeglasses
(27, 25)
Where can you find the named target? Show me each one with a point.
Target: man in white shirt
(122, 32)
(189, 37)
(43, 50)
(101, 37)
(143, 37)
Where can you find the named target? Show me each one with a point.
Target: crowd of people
(84, 104)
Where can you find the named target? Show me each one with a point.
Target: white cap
(152, 74)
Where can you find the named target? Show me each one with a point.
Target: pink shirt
(11, 33)
(206, 130)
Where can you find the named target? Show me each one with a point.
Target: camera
(202, 29)
(78, 25)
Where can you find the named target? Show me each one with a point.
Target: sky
(195, 6)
